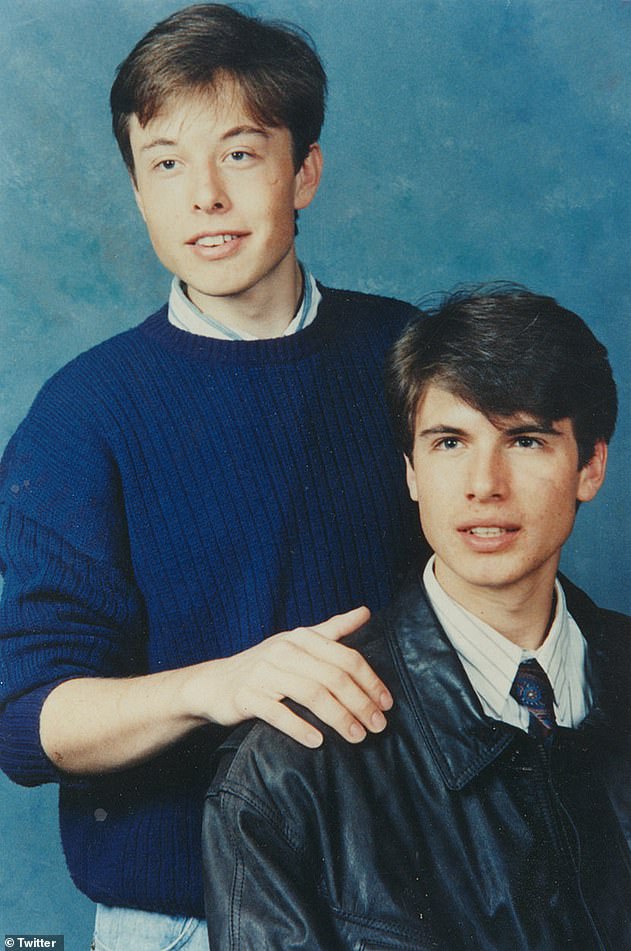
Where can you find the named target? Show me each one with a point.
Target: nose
(487, 475)
(209, 193)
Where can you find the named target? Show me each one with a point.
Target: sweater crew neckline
(241, 352)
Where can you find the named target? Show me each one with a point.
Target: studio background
(465, 141)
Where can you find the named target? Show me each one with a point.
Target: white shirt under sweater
(490, 660)
(184, 315)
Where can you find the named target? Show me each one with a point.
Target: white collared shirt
(184, 315)
(490, 660)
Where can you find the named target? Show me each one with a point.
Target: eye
(239, 155)
(527, 442)
(449, 442)
(166, 165)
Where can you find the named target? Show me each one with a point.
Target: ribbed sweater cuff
(23, 758)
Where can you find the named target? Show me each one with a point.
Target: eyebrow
(158, 143)
(545, 429)
(245, 130)
(441, 429)
(230, 134)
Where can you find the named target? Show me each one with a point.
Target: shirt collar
(490, 659)
(184, 315)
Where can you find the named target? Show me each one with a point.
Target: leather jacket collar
(462, 739)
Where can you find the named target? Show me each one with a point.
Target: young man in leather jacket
(493, 813)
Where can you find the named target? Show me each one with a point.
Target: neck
(522, 614)
(264, 310)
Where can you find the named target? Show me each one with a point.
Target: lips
(488, 538)
(209, 247)
(214, 240)
(209, 240)
(489, 531)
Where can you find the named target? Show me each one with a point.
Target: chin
(487, 576)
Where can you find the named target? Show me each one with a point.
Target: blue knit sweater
(170, 499)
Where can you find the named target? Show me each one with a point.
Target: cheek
(554, 495)
(277, 222)
(434, 509)
(549, 513)
(156, 233)
(280, 195)
(437, 534)
(164, 221)
(437, 487)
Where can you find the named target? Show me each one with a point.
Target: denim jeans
(127, 929)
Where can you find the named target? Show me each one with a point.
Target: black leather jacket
(450, 830)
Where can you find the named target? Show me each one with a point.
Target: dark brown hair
(274, 66)
(505, 350)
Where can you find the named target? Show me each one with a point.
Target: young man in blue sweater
(185, 526)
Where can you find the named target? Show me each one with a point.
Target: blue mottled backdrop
(465, 141)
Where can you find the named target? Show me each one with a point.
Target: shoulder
(107, 361)
(303, 793)
(283, 774)
(262, 777)
(386, 314)
(88, 384)
(76, 417)
(593, 619)
(374, 303)
(608, 635)
(262, 766)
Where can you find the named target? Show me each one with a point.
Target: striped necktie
(531, 689)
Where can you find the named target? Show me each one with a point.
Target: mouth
(213, 240)
(488, 531)
(487, 539)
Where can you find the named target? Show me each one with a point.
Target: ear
(137, 197)
(410, 476)
(308, 177)
(592, 475)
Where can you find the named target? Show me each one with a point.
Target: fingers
(340, 625)
(344, 668)
(282, 718)
(331, 680)
(328, 692)
(307, 665)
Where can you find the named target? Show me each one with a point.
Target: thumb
(342, 624)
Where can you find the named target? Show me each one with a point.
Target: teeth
(487, 532)
(214, 240)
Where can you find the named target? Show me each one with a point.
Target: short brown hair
(274, 65)
(505, 350)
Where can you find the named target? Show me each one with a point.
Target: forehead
(215, 109)
(438, 400)
(439, 406)
(215, 104)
